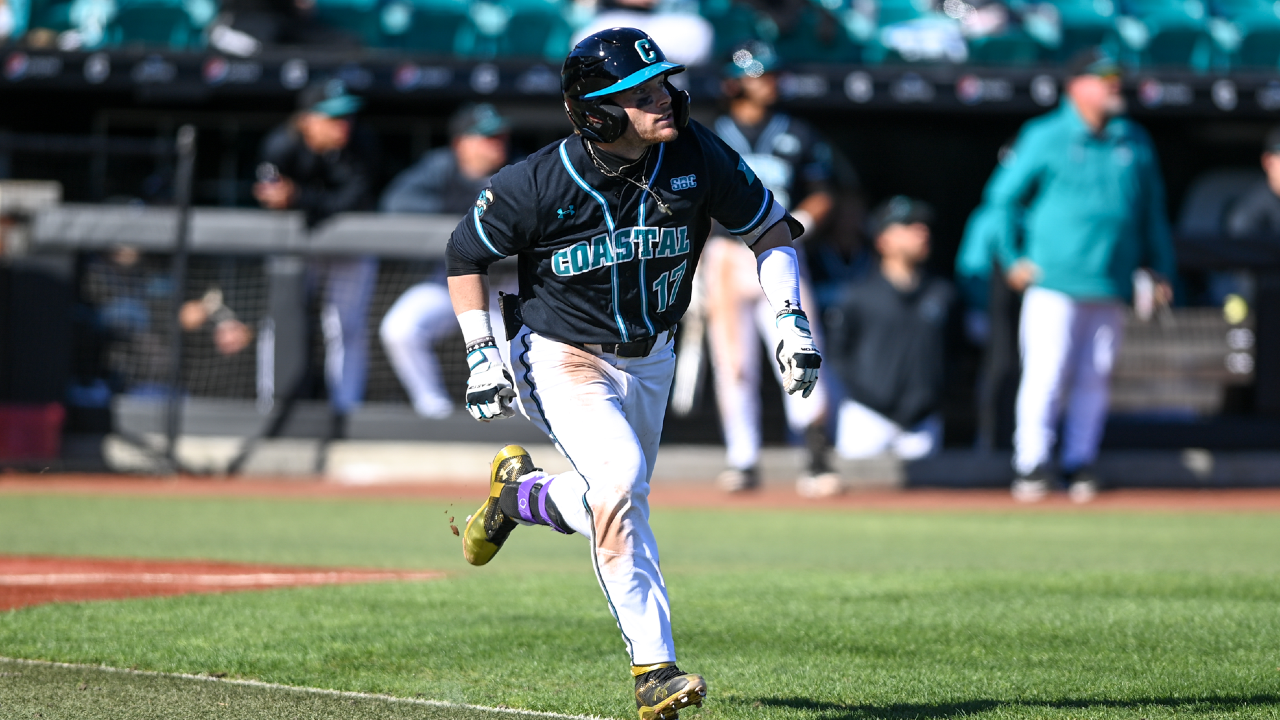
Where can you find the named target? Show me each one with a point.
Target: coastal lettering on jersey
(627, 244)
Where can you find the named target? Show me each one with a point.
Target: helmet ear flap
(679, 103)
(598, 121)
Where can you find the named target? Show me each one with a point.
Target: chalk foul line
(348, 694)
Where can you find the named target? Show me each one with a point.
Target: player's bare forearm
(469, 292)
(777, 236)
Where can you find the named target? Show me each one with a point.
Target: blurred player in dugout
(446, 180)
(1257, 213)
(323, 162)
(887, 338)
(796, 165)
(1084, 185)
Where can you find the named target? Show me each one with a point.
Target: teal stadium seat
(426, 26)
(357, 18)
(816, 36)
(20, 11)
(734, 25)
(1079, 24)
(52, 15)
(1166, 33)
(516, 28)
(1248, 31)
(172, 24)
(1011, 48)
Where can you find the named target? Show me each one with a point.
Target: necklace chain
(643, 185)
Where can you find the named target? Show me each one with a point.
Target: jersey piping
(608, 221)
(644, 283)
(768, 202)
(483, 237)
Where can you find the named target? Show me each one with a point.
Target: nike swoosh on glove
(798, 358)
(490, 391)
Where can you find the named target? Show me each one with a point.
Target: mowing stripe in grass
(312, 691)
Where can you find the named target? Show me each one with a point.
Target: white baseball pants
(344, 321)
(862, 433)
(1068, 350)
(420, 317)
(605, 414)
(739, 320)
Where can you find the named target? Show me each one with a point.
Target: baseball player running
(608, 224)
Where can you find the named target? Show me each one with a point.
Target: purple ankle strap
(542, 508)
(522, 496)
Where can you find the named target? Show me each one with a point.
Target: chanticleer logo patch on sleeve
(483, 201)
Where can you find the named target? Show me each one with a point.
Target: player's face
(1097, 94)
(649, 108)
(479, 155)
(1271, 165)
(324, 134)
(762, 90)
(906, 242)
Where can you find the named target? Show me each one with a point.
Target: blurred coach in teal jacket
(1084, 186)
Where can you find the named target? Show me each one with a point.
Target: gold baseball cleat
(489, 527)
(662, 691)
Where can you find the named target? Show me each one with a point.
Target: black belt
(633, 349)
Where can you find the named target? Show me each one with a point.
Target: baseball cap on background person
(478, 119)
(751, 59)
(1093, 61)
(329, 98)
(898, 210)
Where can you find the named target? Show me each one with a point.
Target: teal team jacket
(1091, 206)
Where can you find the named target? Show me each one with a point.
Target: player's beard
(1115, 106)
(653, 135)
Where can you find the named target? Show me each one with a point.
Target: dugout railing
(1174, 379)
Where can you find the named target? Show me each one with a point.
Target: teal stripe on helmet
(636, 78)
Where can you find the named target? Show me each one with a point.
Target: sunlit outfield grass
(789, 614)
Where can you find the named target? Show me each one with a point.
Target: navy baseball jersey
(599, 262)
(790, 157)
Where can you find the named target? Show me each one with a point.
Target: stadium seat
(1260, 45)
(734, 24)
(359, 18)
(1165, 33)
(816, 36)
(169, 24)
(50, 15)
(1065, 27)
(19, 14)
(1247, 31)
(516, 28)
(1012, 48)
(426, 26)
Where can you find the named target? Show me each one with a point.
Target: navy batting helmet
(607, 62)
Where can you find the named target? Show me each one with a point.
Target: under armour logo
(565, 213)
(524, 504)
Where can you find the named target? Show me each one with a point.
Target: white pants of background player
(863, 433)
(604, 414)
(739, 320)
(420, 317)
(344, 320)
(1068, 350)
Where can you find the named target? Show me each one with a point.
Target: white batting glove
(798, 358)
(490, 391)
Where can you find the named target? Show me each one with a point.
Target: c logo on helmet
(645, 48)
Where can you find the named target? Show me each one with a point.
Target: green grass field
(789, 614)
